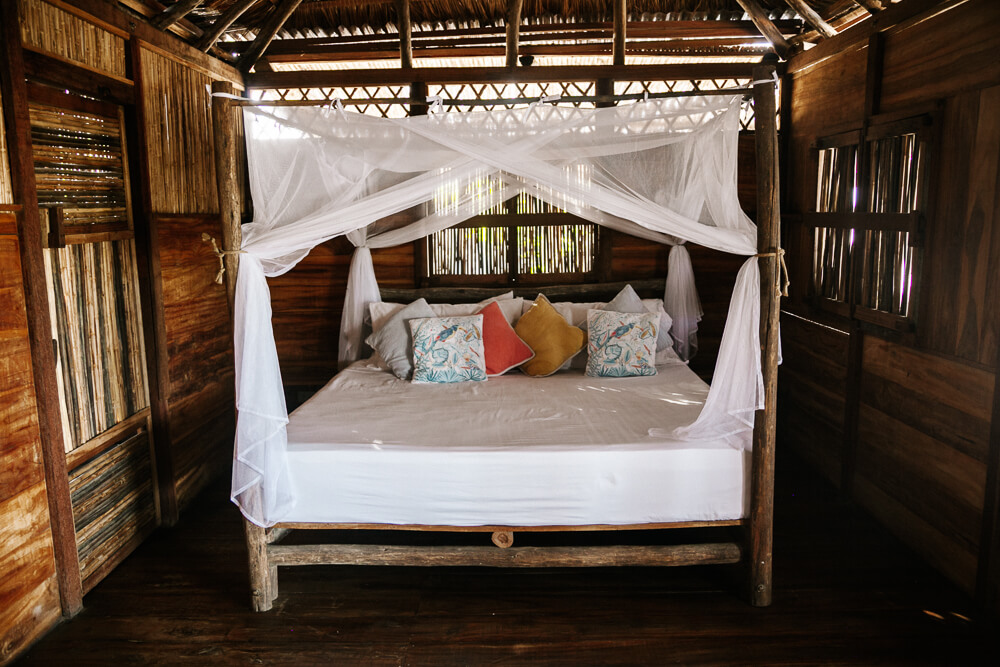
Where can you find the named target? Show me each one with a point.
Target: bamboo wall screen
(47, 28)
(81, 170)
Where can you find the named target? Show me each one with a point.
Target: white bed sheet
(514, 450)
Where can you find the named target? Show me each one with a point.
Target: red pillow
(504, 349)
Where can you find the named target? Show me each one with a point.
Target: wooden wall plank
(29, 596)
(201, 385)
(6, 194)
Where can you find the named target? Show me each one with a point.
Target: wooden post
(260, 572)
(810, 16)
(222, 23)
(405, 39)
(224, 124)
(22, 175)
(513, 18)
(275, 20)
(766, 27)
(618, 45)
(154, 328)
(768, 238)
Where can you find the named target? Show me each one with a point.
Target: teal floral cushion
(621, 344)
(448, 349)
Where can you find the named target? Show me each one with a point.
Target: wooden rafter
(873, 6)
(766, 26)
(175, 13)
(513, 18)
(405, 40)
(275, 20)
(618, 44)
(222, 23)
(810, 16)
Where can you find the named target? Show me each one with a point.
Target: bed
(351, 458)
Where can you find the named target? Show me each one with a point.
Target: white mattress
(513, 451)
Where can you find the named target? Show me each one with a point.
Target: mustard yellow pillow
(552, 338)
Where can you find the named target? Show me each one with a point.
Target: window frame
(925, 124)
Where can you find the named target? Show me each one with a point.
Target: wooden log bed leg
(768, 241)
(262, 579)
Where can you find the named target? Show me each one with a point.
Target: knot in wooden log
(503, 539)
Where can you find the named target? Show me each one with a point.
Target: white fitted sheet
(514, 450)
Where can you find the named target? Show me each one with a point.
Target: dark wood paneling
(201, 394)
(954, 52)
(29, 598)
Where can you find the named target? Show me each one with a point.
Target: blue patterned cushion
(621, 344)
(448, 349)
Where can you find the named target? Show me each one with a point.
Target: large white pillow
(381, 311)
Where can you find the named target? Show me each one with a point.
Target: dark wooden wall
(162, 84)
(902, 421)
(307, 301)
(29, 598)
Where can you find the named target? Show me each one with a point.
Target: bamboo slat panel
(6, 193)
(51, 29)
(80, 164)
(113, 505)
(98, 329)
(178, 136)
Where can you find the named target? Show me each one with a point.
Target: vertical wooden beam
(988, 570)
(261, 578)
(222, 24)
(405, 39)
(513, 18)
(766, 27)
(225, 137)
(618, 45)
(810, 16)
(22, 174)
(275, 20)
(154, 331)
(768, 239)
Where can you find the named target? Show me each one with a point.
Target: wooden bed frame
(266, 552)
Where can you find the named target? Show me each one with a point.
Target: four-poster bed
(268, 478)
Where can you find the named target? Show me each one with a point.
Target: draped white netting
(664, 170)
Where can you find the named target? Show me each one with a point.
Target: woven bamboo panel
(6, 193)
(113, 505)
(79, 164)
(178, 136)
(53, 30)
(98, 330)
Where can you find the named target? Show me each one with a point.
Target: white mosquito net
(664, 170)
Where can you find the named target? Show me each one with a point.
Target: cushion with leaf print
(621, 344)
(448, 349)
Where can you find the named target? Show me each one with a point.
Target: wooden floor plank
(846, 593)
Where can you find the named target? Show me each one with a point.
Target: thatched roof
(200, 22)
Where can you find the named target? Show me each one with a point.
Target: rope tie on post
(782, 267)
(221, 254)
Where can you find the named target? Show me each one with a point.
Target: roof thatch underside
(333, 17)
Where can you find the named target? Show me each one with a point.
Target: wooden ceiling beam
(873, 6)
(810, 16)
(618, 43)
(454, 49)
(175, 13)
(513, 24)
(447, 75)
(766, 27)
(228, 17)
(275, 20)
(405, 39)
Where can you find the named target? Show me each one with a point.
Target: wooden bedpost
(263, 578)
(768, 241)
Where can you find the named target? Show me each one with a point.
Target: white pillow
(381, 311)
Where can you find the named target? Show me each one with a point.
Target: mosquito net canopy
(664, 170)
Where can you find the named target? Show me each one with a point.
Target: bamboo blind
(556, 249)
(98, 331)
(6, 191)
(178, 136)
(80, 164)
(837, 192)
(51, 29)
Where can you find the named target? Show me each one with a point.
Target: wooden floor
(846, 593)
